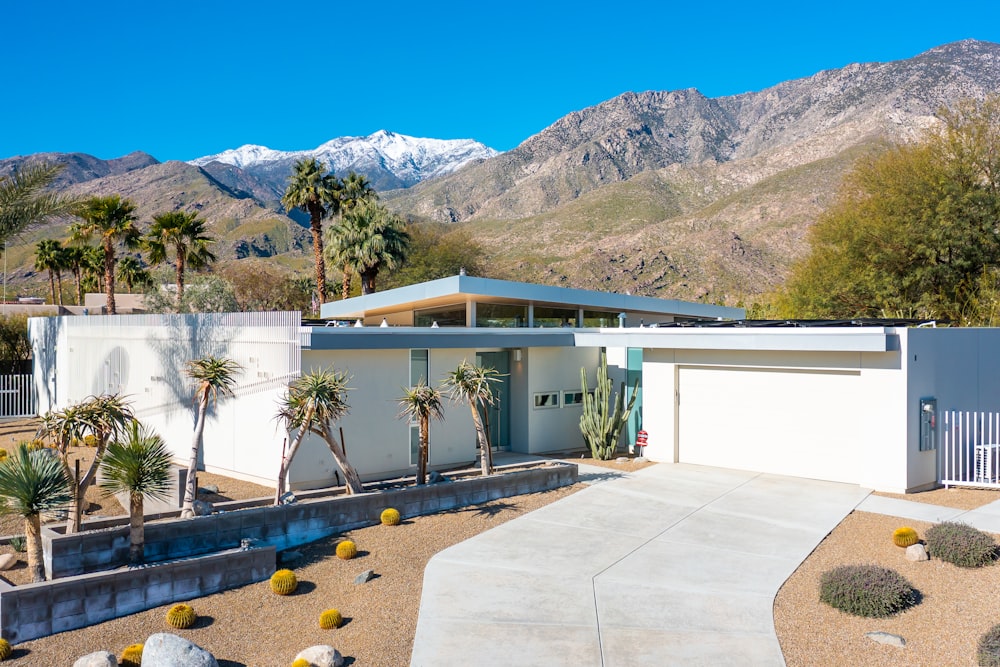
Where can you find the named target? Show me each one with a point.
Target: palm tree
(113, 220)
(317, 194)
(50, 256)
(368, 240)
(31, 484)
(313, 404)
(356, 189)
(131, 272)
(75, 256)
(421, 403)
(184, 234)
(92, 264)
(137, 465)
(25, 200)
(471, 384)
(213, 376)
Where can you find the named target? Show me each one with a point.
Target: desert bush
(131, 656)
(330, 619)
(390, 517)
(283, 582)
(19, 544)
(904, 537)
(181, 616)
(347, 550)
(960, 544)
(866, 590)
(988, 654)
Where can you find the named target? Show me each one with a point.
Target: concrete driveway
(673, 565)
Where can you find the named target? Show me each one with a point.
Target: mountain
(80, 167)
(389, 160)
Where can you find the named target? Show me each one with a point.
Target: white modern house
(841, 401)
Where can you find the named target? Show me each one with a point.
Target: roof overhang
(836, 339)
(391, 338)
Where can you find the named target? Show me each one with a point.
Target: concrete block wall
(37, 610)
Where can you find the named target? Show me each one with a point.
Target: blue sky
(187, 78)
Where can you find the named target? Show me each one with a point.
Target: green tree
(75, 256)
(314, 403)
(355, 189)
(184, 234)
(212, 376)
(259, 285)
(318, 194)
(137, 465)
(50, 256)
(15, 346)
(92, 266)
(420, 403)
(112, 219)
(131, 272)
(33, 483)
(26, 200)
(436, 251)
(471, 384)
(368, 240)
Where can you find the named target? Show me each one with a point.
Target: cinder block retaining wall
(36, 610)
(288, 525)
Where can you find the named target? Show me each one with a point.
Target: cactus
(600, 429)
(330, 619)
(283, 582)
(347, 550)
(3, 454)
(181, 616)
(301, 662)
(19, 543)
(131, 656)
(5, 649)
(390, 517)
(904, 537)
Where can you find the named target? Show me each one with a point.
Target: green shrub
(988, 654)
(866, 590)
(960, 544)
(19, 544)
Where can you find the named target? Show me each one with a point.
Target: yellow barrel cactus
(347, 550)
(390, 517)
(904, 537)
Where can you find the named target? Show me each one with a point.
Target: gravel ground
(958, 605)
(958, 497)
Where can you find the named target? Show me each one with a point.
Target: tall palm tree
(112, 219)
(31, 484)
(368, 240)
(75, 256)
(137, 464)
(317, 194)
(212, 376)
(356, 189)
(313, 404)
(421, 403)
(92, 265)
(183, 233)
(471, 384)
(131, 272)
(26, 201)
(50, 256)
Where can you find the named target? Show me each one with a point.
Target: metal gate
(17, 396)
(970, 449)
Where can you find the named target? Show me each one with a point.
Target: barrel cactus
(283, 582)
(301, 662)
(390, 517)
(904, 537)
(347, 550)
(181, 616)
(330, 619)
(5, 649)
(131, 656)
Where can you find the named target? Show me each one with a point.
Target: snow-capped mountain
(389, 160)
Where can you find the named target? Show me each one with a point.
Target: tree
(112, 219)
(131, 272)
(50, 256)
(421, 403)
(75, 256)
(33, 483)
(15, 346)
(313, 404)
(356, 189)
(207, 293)
(92, 266)
(259, 285)
(436, 251)
(470, 384)
(368, 240)
(317, 194)
(26, 201)
(604, 415)
(137, 465)
(212, 376)
(184, 234)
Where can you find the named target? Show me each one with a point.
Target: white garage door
(778, 421)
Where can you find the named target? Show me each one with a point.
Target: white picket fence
(970, 449)
(17, 396)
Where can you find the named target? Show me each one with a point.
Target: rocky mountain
(389, 160)
(80, 167)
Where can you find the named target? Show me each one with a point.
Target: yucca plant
(421, 403)
(471, 384)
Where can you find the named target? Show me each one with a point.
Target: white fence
(17, 396)
(970, 449)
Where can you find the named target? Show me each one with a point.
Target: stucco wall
(555, 370)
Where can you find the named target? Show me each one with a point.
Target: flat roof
(458, 289)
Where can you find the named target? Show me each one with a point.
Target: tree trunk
(286, 460)
(109, 275)
(79, 285)
(180, 277)
(33, 538)
(424, 449)
(191, 487)
(484, 445)
(74, 517)
(486, 433)
(136, 529)
(52, 285)
(59, 281)
(316, 225)
(352, 480)
(345, 289)
(368, 282)
(78, 490)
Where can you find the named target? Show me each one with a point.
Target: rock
(7, 561)
(319, 656)
(436, 478)
(288, 498)
(880, 637)
(639, 459)
(364, 577)
(164, 648)
(208, 488)
(98, 659)
(290, 556)
(916, 552)
(248, 543)
(203, 508)
(622, 459)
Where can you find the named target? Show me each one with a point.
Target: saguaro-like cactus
(604, 413)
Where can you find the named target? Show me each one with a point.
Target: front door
(497, 414)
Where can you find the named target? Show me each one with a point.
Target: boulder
(436, 478)
(203, 508)
(208, 488)
(916, 552)
(164, 648)
(880, 637)
(97, 659)
(320, 656)
(364, 577)
(7, 561)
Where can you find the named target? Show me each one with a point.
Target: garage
(774, 420)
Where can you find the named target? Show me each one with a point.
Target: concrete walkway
(986, 518)
(671, 565)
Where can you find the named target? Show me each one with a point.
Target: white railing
(970, 449)
(17, 396)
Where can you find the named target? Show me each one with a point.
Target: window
(419, 367)
(501, 315)
(546, 399)
(554, 317)
(414, 443)
(448, 316)
(597, 318)
(572, 397)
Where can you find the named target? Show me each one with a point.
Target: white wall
(558, 370)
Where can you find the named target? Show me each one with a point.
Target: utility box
(928, 424)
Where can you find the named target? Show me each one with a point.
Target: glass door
(497, 414)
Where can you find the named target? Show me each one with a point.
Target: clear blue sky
(184, 78)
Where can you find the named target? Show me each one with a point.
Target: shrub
(989, 648)
(347, 550)
(960, 544)
(866, 590)
(330, 619)
(181, 616)
(5, 649)
(283, 582)
(131, 656)
(390, 517)
(904, 537)
(19, 544)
